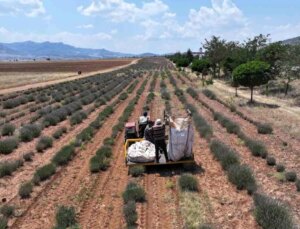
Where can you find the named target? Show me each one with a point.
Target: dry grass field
(14, 74)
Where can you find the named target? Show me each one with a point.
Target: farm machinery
(179, 140)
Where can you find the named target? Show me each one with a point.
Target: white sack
(181, 140)
(143, 151)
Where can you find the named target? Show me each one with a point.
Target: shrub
(123, 96)
(165, 95)
(29, 132)
(192, 92)
(3, 222)
(105, 151)
(291, 176)
(7, 168)
(25, 190)
(264, 128)
(109, 141)
(136, 171)
(134, 192)
(94, 164)
(58, 133)
(188, 182)
(7, 210)
(44, 173)
(242, 177)
(2, 114)
(8, 129)
(130, 214)
(231, 127)
(224, 154)
(99, 162)
(65, 217)
(8, 145)
(50, 120)
(85, 135)
(63, 156)
(208, 93)
(280, 168)
(257, 148)
(264, 154)
(96, 125)
(271, 161)
(271, 214)
(78, 117)
(298, 185)
(44, 143)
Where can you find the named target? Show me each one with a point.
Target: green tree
(272, 54)
(189, 55)
(201, 66)
(290, 65)
(215, 51)
(251, 74)
(182, 62)
(253, 46)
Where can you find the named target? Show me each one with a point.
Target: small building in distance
(200, 53)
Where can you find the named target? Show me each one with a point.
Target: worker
(159, 130)
(148, 134)
(143, 121)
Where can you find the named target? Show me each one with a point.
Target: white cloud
(30, 8)
(222, 17)
(282, 32)
(114, 31)
(86, 26)
(121, 10)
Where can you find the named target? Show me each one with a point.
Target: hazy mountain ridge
(35, 50)
(292, 41)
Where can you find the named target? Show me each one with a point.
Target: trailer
(179, 140)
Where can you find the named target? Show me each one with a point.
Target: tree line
(250, 63)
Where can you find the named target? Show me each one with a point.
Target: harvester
(179, 141)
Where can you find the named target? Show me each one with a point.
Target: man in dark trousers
(159, 131)
(143, 121)
(148, 134)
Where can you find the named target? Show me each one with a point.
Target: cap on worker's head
(158, 122)
(145, 113)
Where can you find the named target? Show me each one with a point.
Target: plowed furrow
(107, 200)
(228, 207)
(73, 184)
(10, 184)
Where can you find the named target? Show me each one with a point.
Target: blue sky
(158, 26)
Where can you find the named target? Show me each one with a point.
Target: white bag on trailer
(181, 139)
(143, 151)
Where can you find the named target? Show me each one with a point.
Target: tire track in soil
(9, 185)
(107, 198)
(145, 212)
(230, 208)
(71, 184)
(159, 212)
(264, 174)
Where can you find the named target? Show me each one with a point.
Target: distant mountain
(292, 41)
(33, 50)
(147, 54)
